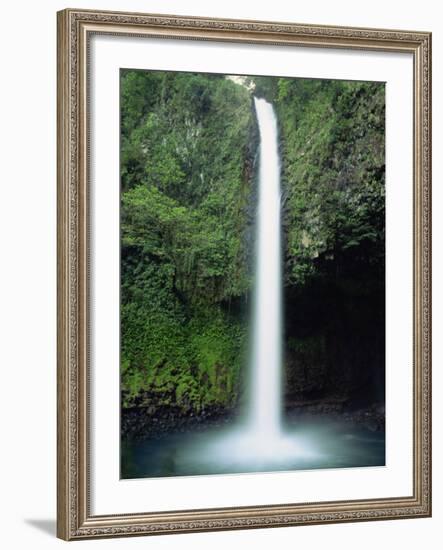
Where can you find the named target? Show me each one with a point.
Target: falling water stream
(265, 370)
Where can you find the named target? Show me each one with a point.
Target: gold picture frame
(74, 518)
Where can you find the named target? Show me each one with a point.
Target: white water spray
(265, 382)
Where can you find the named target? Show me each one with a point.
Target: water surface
(309, 444)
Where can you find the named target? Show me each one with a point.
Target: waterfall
(265, 368)
(259, 442)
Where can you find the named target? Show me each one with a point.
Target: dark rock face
(335, 346)
(371, 418)
(138, 424)
(141, 423)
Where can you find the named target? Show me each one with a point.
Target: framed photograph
(243, 274)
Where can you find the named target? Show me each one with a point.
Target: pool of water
(304, 445)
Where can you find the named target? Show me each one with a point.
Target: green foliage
(171, 355)
(185, 145)
(333, 174)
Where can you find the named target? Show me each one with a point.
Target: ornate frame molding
(73, 510)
